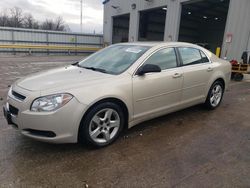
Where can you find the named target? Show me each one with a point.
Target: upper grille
(18, 95)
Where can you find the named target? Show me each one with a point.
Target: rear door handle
(209, 69)
(177, 75)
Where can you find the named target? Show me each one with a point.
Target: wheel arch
(109, 99)
(220, 79)
(217, 76)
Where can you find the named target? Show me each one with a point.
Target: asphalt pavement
(190, 148)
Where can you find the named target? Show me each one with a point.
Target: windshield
(114, 59)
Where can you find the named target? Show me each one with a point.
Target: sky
(69, 10)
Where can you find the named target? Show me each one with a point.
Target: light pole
(81, 17)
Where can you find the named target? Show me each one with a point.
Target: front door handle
(209, 69)
(177, 75)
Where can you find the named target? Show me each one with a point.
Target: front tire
(102, 124)
(215, 95)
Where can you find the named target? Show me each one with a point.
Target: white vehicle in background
(118, 87)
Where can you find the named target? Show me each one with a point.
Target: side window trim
(178, 59)
(179, 56)
(157, 50)
(205, 56)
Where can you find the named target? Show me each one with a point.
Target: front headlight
(50, 103)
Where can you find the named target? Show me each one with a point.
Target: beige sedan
(116, 88)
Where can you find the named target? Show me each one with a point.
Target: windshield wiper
(95, 69)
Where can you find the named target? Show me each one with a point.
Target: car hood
(63, 77)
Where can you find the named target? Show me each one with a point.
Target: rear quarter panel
(222, 69)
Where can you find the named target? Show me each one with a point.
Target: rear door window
(190, 56)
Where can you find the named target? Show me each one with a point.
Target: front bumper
(60, 126)
(8, 116)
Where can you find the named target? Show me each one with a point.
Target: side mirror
(147, 69)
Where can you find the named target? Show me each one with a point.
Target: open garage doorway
(203, 22)
(152, 24)
(120, 28)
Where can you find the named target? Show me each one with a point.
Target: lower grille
(34, 132)
(13, 110)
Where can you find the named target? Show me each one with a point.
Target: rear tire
(238, 77)
(232, 75)
(102, 125)
(215, 95)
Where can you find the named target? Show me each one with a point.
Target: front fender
(120, 89)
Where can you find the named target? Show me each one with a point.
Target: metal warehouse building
(211, 23)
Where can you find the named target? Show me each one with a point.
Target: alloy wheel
(104, 125)
(216, 95)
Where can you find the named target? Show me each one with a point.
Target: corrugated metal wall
(41, 37)
(237, 22)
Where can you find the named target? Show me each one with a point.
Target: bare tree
(36, 25)
(28, 21)
(67, 28)
(16, 18)
(4, 19)
(48, 24)
(57, 25)
(60, 25)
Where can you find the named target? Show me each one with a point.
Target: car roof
(155, 44)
